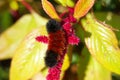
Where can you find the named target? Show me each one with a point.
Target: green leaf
(12, 37)
(102, 43)
(65, 3)
(4, 73)
(90, 69)
(29, 56)
(5, 20)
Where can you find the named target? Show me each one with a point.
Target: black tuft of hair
(51, 58)
(53, 26)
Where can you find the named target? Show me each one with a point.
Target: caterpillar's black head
(51, 58)
(53, 26)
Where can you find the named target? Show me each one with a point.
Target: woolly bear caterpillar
(56, 42)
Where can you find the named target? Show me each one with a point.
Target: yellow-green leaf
(82, 7)
(12, 37)
(90, 69)
(49, 9)
(14, 5)
(66, 63)
(38, 77)
(102, 43)
(96, 71)
(65, 3)
(29, 56)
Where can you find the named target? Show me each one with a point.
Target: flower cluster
(67, 26)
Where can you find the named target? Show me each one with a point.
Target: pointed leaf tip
(49, 9)
(82, 7)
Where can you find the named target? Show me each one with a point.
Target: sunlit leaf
(102, 43)
(14, 5)
(90, 69)
(49, 9)
(29, 57)
(38, 77)
(82, 7)
(66, 63)
(12, 37)
(111, 19)
(96, 72)
(65, 3)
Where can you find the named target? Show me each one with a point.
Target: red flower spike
(54, 72)
(43, 39)
(67, 26)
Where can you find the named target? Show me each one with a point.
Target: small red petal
(71, 10)
(66, 20)
(72, 19)
(43, 39)
(73, 40)
(67, 26)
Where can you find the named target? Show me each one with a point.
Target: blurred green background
(107, 11)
